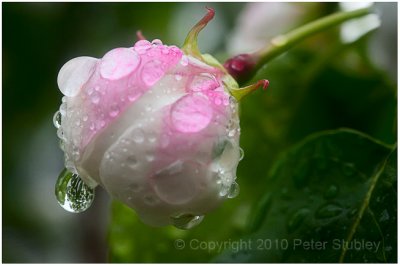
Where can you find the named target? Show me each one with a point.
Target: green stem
(282, 43)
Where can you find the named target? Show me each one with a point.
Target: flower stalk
(244, 66)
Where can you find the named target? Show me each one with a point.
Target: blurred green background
(322, 84)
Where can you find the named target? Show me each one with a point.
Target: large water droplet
(142, 46)
(57, 119)
(152, 72)
(329, 210)
(186, 221)
(234, 190)
(72, 193)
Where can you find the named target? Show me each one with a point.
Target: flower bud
(156, 128)
(154, 125)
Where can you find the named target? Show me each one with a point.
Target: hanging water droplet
(178, 77)
(57, 119)
(233, 190)
(186, 221)
(72, 193)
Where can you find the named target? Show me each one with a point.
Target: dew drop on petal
(157, 42)
(63, 109)
(184, 60)
(74, 74)
(138, 135)
(191, 113)
(152, 72)
(119, 63)
(95, 98)
(186, 221)
(72, 193)
(114, 110)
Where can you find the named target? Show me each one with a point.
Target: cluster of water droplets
(71, 191)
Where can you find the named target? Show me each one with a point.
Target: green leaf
(334, 190)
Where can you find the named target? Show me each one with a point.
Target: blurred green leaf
(132, 241)
(334, 187)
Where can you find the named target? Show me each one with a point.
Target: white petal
(74, 74)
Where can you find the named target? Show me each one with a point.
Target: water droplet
(114, 110)
(60, 134)
(329, 210)
(133, 95)
(138, 135)
(150, 200)
(92, 126)
(57, 119)
(234, 190)
(134, 187)
(384, 216)
(296, 219)
(186, 221)
(152, 72)
(157, 42)
(165, 50)
(241, 154)
(95, 98)
(63, 108)
(85, 118)
(150, 157)
(231, 133)
(184, 60)
(72, 193)
(151, 137)
(132, 161)
(331, 192)
(178, 77)
(218, 101)
(142, 46)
